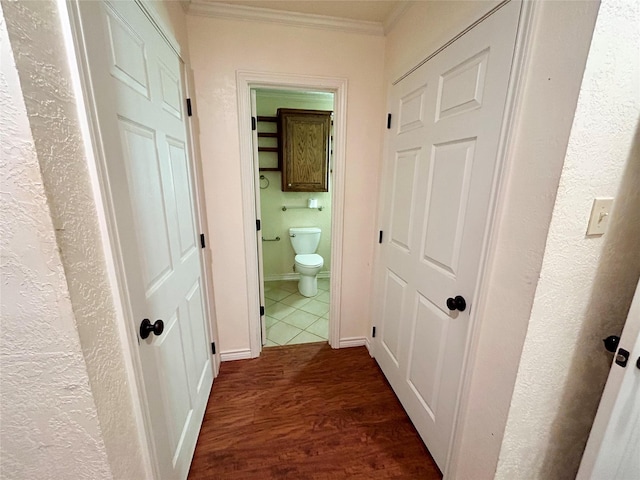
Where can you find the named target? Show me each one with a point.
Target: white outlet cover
(599, 218)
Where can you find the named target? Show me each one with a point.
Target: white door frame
(105, 212)
(246, 80)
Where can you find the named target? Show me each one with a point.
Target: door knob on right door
(457, 303)
(147, 328)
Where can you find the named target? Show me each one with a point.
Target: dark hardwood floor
(307, 412)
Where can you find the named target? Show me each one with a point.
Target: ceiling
(364, 10)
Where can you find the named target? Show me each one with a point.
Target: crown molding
(395, 15)
(267, 15)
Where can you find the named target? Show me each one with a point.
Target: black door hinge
(258, 225)
(261, 310)
(388, 121)
(380, 237)
(202, 242)
(189, 111)
(373, 332)
(213, 348)
(622, 357)
(254, 126)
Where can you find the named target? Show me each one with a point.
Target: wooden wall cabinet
(304, 149)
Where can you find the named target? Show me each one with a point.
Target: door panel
(170, 90)
(411, 111)
(176, 393)
(460, 89)
(145, 191)
(198, 351)
(425, 361)
(180, 183)
(402, 199)
(393, 300)
(139, 98)
(440, 163)
(447, 196)
(127, 54)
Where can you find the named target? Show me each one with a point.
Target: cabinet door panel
(304, 140)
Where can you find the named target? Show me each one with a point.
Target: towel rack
(285, 208)
(277, 239)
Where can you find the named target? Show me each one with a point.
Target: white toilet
(308, 263)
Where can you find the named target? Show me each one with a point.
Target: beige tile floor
(293, 318)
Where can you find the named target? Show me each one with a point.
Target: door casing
(106, 214)
(247, 80)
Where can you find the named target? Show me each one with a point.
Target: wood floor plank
(307, 412)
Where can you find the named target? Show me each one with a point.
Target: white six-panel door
(438, 178)
(138, 87)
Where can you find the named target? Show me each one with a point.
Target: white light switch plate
(599, 216)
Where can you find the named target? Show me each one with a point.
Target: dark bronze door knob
(457, 303)
(147, 328)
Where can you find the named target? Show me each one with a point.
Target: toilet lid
(309, 260)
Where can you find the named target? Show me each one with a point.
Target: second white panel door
(439, 171)
(139, 100)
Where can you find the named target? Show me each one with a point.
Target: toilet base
(308, 285)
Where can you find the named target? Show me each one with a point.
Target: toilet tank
(304, 239)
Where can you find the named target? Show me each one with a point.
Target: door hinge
(373, 332)
(189, 111)
(258, 227)
(380, 237)
(202, 241)
(388, 121)
(213, 348)
(254, 126)
(262, 310)
(622, 357)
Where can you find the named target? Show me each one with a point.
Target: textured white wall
(218, 49)
(35, 32)
(586, 284)
(49, 425)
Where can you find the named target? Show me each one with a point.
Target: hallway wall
(49, 426)
(73, 425)
(221, 47)
(587, 282)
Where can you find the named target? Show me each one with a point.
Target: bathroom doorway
(295, 287)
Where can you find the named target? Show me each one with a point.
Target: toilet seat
(309, 260)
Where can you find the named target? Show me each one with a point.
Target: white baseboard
(231, 355)
(369, 346)
(291, 276)
(353, 342)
